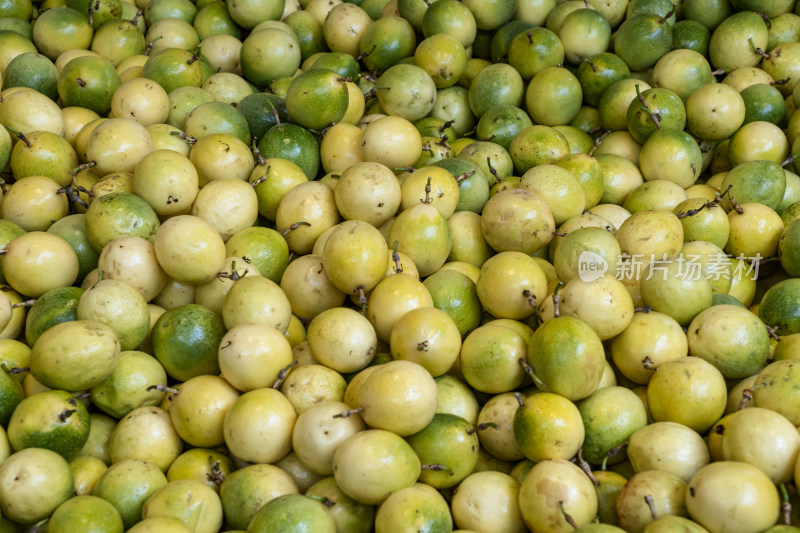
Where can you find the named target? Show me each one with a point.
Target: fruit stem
(773, 333)
(283, 373)
(782, 81)
(215, 476)
(66, 414)
(556, 300)
(518, 396)
(644, 107)
(257, 153)
(188, 138)
(149, 47)
(262, 179)
(20, 136)
(789, 159)
(347, 412)
(613, 452)
(585, 467)
(756, 50)
(649, 501)
(293, 227)
(492, 170)
(481, 427)
(368, 52)
(644, 309)
(91, 14)
(324, 500)
(26, 303)
(597, 142)
(667, 16)
(398, 268)
(14, 370)
(647, 363)
(747, 397)
(528, 369)
(465, 175)
(163, 388)
(528, 295)
(362, 300)
(436, 468)
(135, 18)
(567, 516)
(422, 346)
(786, 504)
(427, 191)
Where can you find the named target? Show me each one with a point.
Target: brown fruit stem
(362, 300)
(597, 142)
(613, 452)
(215, 476)
(649, 501)
(398, 268)
(63, 415)
(585, 467)
(26, 303)
(324, 500)
(528, 369)
(567, 516)
(149, 47)
(283, 373)
(492, 170)
(257, 153)
(347, 412)
(163, 388)
(644, 309)
(20, 136)
(14, 370)
(518, 396)
(481, 427)
(556, 300)
(436, 468)
(465, 175)
(188, 138)
(786, 504)
(293, 227)
(647, 363)
(428, 191)
(135, 18)
(644, 107)
(261, 179)
(756, 50)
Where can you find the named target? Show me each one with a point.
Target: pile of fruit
(493, 266)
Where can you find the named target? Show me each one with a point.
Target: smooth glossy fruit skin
(85, 513)
(779, 307)
(548, 426)
(33, 482)
(185, 340)
(732, 496)
(552, 489)
(51, 419)
(292, 513)
(567, 357)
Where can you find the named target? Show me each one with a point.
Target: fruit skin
(567, 357)
(33, 482)
(85, 513)
(292, 513)
(733, 497)
(185, 340)
(75, 355)
(51, 419)
(553, 489)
